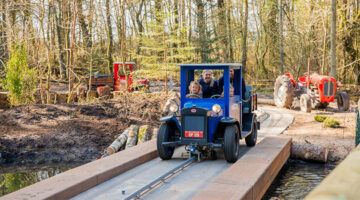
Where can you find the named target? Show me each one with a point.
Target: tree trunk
(229, 34)
(110, 36)
(309, 152)
(140, 26)
(222, 30)
(3, 36)
(71, 67)
(281, 38)
(83, 25)
(60, 45)
(244, 47)
(333, 38)
(123, 43)
(201, 29)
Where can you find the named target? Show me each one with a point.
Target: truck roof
(211, 65)
(125, 63)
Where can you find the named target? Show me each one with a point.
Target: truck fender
(228, 121)
(172, 120)
(248, 125)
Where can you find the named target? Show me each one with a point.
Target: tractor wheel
(164, 133)
(305, 103)
(250, 140)
(343, 101)
(283, 92)
(231, 143)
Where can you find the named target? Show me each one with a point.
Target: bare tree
(333, 38)
(244, 47)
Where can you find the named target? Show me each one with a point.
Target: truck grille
(328, 88)
(194, 126)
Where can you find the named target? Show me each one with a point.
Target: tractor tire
(164, 133)
(250, 140)
(283, 92)
(231, 143)
(343, 101)
(305, 103)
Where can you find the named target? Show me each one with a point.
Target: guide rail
(138, 193)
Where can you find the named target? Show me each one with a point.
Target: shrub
(320, 118)
(19, 80)
(330, 122)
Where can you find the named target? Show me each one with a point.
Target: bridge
(137, 172)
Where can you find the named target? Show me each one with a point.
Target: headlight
(173, 107)
(216, 108)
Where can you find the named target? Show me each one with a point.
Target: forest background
(62, 40)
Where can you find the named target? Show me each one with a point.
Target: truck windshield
(205, 84)
(121, 70)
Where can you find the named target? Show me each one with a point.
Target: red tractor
(313, 90)
(117, 82)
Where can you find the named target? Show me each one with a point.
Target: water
(15, 178)
(297, 178)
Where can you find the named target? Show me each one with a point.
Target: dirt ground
(67, 133)
(340, 141)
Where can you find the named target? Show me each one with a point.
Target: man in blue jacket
(208, 83)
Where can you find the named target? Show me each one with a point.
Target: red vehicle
(117, 82)
(120, 78)
(313, 90)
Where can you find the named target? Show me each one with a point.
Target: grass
(331, 122)
(320, 118)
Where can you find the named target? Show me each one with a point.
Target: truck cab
(205, 124)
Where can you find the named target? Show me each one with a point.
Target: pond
(15, 178)
(297, 178)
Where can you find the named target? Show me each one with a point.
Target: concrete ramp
(252, 174)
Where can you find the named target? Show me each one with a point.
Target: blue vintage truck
(208, 123)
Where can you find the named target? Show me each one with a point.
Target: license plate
(194, 134)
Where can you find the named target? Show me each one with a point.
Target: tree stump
(4, 102)
(309, 152)
(143, 134)
(81, 92)
(104, 92)
(133, 136)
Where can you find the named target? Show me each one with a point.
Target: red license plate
(194, 134)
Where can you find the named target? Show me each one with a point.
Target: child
(195, 90)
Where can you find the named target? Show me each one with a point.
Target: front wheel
(165, 131)
(250, 140)
(343, 101)
(231, 143)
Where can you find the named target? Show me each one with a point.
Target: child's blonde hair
(197, 84)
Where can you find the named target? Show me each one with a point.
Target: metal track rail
(161, 178)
